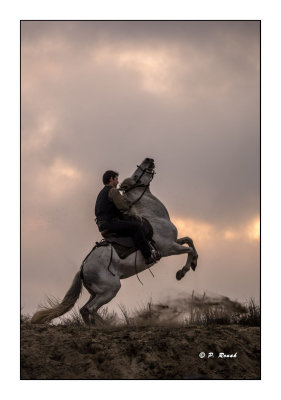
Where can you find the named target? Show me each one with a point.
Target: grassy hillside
(152, 344)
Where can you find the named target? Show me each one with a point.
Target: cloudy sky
(105, 95)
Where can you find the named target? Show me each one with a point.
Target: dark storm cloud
(205, 33)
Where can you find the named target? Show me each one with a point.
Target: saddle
(124, 245)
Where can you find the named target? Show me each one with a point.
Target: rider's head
(109, 176)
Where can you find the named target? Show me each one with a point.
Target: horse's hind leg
(84, 311)
(94, 305)
(103, 295)
(189, 241)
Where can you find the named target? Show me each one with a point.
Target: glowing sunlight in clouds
(201, 231)
(197, 230)
(248, 232)
(154, 67)
(253, 230)
(60, 178)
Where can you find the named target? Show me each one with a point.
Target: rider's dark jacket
(110, 204)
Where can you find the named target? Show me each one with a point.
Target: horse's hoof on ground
(97, 321)
(179, 275)
(85, 317)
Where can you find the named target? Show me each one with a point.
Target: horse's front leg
(189, 241)
(179, 249)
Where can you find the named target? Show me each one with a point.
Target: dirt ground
(127, 352)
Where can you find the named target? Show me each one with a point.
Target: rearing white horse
(103, 283)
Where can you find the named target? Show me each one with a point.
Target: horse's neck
(149, 205)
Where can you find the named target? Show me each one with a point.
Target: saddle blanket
(123, 250)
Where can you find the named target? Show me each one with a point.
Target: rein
(144, 171)
(134, 202)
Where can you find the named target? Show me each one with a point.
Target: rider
(109, 210)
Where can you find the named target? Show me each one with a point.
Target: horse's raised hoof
(179, 275)
(193, 265)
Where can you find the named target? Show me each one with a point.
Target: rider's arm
(120, 202)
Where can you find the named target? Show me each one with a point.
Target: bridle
(137, 184)
(145, 171)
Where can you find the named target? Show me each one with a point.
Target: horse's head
(144, 172)
(142, 176)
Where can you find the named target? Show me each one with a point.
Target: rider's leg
(133, 229)
(138, 235)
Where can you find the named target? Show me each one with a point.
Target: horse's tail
(56, 310)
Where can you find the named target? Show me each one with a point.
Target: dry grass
(152, 315)
(24, 318)
(194, 310)
(222, 311)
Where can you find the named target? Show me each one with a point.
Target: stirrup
(156, 255)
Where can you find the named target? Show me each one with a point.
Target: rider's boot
(155, 256)
(149, 260)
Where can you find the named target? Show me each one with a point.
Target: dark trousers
(129, 228)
